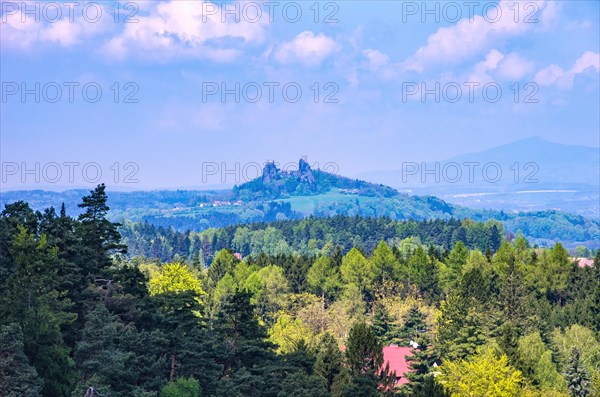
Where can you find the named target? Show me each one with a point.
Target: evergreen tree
(577, 376)
(33, 302)
(385, 265)
(460, 328)
(100, 237)
(324, 277)
(100, 356)
(423, 273)
(329, 360)
(495, 238)
(414, 327)
(423, 355)
(382, 323)
(249, 366)
(224, 262)
(364, 357)
(429, 388)
(456, 261)
(17, 377)
(182, 387)
(299, 384)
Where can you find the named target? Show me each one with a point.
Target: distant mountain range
(534, 174)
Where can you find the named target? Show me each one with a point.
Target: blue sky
(369, 59)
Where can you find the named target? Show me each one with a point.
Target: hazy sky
(184, 84)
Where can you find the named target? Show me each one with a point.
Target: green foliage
(357, 270)
(17, 377)
(100, 355)
(328, 364)
(461, 328)
(100, 237)
(537, 364)
(363, 351)
(174, 278)
(76, 314)
(577, 376)
(182, 387)
(483, 375)
(385, 264)
(429, 388)
(288, 332)
(423, 273)
(323, 277)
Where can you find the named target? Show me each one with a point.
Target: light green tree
(358, 270)
(323, 277)
(175, 278)
(483, 375)
(289, 332)
(385, 265)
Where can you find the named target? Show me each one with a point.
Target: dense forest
(310, 236)
(89, 307)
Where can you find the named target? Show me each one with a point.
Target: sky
(180, 94)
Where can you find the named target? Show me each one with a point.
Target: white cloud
(481, 70)
(554, 74)
(307, 48)
(376, 58)
(514, 67)
(469, 37)
(186, 28)
(498, 66)
(22, 26)
(162, 30)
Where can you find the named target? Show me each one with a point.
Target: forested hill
(276, 183)
(310, 236)
(281, 195)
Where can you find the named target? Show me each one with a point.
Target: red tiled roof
(395, 357)
(584, 262)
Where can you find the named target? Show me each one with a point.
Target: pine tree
(249, 365)
(577, 376)
(364, 357)
(421, 361)
(100, 237)
(495, 238)
(100, 356)
(423, 273)
(382, 323)
(429, 388)
(414, 326)
(460, 329)
(33, 302)
(17, 377)
(457, 259)
(182, 387)
(385, 265)
(329, 360)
